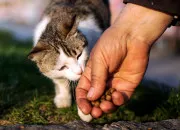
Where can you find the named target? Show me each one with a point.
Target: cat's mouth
(77, 74)
(74, 77)
(78, 70)
(73, 73)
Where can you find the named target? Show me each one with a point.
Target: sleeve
(171, 7)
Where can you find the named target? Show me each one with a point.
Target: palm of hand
(119, 64)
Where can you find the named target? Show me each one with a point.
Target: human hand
(119, 58)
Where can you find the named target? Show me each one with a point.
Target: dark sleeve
(171, 7)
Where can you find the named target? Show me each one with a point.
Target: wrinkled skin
(120, 57)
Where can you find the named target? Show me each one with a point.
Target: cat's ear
(69, 27)
(37, 52)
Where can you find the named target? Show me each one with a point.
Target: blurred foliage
(26, 97)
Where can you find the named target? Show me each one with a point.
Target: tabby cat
(62, 42)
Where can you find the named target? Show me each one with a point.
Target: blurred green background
(26, 96)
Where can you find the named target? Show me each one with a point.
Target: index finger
(82, 90)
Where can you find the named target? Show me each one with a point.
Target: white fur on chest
(40, 28)
(91, 30)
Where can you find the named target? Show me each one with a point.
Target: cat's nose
(78, 71)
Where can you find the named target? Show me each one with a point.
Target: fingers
(118, 98)
(130, 73)
(84, 117)
(124, 90)
(107, 106)
(82, 101)
(96, 112)
(99, 74)
(84, 105)
(82, 90)
(92, 85)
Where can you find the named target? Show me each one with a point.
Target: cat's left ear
(37, 52)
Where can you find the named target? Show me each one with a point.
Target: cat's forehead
(71, 45)
(71, 51)
(63, 58)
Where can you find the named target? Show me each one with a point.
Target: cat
(63, 40)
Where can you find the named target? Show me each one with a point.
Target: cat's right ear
(69, 28)
(37, 52)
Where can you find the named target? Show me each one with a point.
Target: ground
(26, 96)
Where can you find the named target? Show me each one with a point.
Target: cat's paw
(62, 102)
(84, 117)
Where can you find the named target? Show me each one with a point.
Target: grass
(26, 97)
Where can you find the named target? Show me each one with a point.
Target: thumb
(99, 72)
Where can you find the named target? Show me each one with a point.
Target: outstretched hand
(119, 58)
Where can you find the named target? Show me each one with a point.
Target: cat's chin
(55, 74)
(73, 77)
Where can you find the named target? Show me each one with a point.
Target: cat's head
(60, 51)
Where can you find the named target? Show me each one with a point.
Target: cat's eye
(63, 67)
(79, 55)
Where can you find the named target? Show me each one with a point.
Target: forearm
(141, 23)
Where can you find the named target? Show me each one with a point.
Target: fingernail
(90, 93)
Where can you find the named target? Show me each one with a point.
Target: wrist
(141, 23)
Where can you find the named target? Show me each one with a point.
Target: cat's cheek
(55, 74)
(83, 58)
(82, 64)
